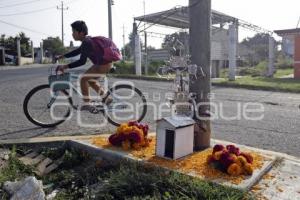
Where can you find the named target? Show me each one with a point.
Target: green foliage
(153, 66)
(11, 43)
(15, 170)
(259, 44)
(173, 40)
(53, 45)
(132, 181)
(125, 67)
(284, 62)
(272, 84)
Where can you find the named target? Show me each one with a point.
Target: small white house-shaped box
(174, 137)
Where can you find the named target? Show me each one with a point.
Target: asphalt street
(278, 130)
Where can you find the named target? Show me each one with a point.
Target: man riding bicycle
(100, 50)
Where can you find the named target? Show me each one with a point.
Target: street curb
(87, 137)
(216, 84)
(24, 66)
(117, 156)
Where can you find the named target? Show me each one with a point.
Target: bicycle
(56, 98)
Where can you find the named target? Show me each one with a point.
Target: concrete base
(84, 143)
(120, 155)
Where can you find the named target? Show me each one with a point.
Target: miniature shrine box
(174, 137)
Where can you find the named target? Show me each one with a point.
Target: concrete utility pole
(42, 52)
(62, 20)
(232, 51)
(19, 51)
(271, 57)
(200, 30)
(137, 51)
(123, 42)
(110, 3)
(32, 52)
(145, 38)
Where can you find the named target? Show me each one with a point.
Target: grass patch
(283, 72)
(91, 180)
(273, 84)
(133, 181)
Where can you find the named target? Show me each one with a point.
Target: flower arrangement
(131, 135)
(231, 160)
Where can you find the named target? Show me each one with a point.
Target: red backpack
(107, 47)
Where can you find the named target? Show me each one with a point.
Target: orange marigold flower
(126, 145)
(234, 169)
(234, 157)
(248, 169)
(241, 160)
(248, 157)
(217, 155)
(136, 146)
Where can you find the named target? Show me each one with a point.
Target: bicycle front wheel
(45, 108)
(128, 104)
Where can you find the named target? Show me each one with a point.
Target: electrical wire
(18, 4)
(28, 12)
(35, 11)
(24, 28)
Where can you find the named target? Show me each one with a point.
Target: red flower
(226, 159)
(210, 159)
(132, 123)
(114, 140)
(233, 149)
(218, 147)
(135, 137)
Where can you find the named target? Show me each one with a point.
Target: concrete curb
(117, 156)
(217, 84)
(24, 66)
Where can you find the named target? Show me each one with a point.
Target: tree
(258, 46)
(53, 45)
(177, 41)
(10, 43)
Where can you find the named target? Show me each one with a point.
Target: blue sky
(268, 14)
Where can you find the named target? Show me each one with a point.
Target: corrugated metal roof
(179, 17)
(287, 32)
(178, 121)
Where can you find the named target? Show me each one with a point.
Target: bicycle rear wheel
(128, 104)
(45, 108)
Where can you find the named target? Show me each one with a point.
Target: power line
(24, 28)
(18, 4)
(28, 12)
(35, 11)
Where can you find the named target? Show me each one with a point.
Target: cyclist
(94, 51)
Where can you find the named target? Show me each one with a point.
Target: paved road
(279, 130)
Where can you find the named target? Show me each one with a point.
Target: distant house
(288, 40)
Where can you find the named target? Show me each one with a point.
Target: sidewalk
(280, 183)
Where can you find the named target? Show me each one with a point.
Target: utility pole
(145, 38)
(200, 29)
(19, 51)
(123, 42)
(62, 20)
(110, 3)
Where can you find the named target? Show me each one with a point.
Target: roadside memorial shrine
(175, 137)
